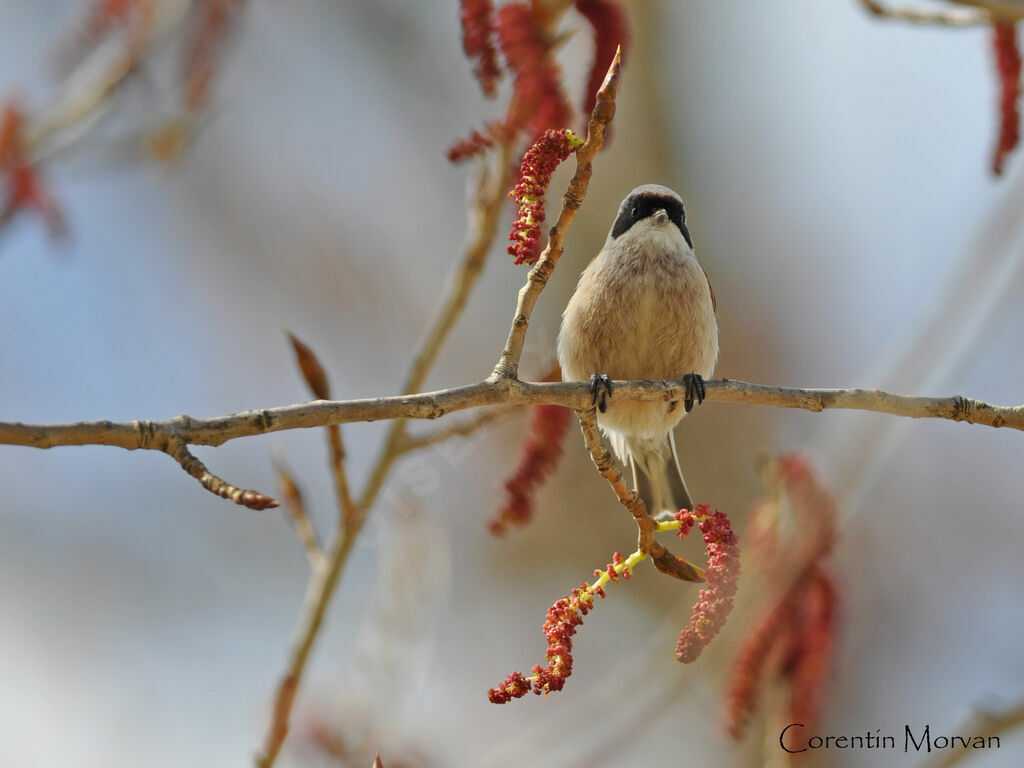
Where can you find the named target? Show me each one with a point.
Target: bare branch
(663, 560)
(985, 724)
(610, 471)
(300, 520)
(952, 17)
(997, 10)
(178, 450)
(604, 111)
(462, 428)
(318, 596)
(319, 384)
(154, 435)
(982, 12)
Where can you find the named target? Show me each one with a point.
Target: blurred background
(835, 169)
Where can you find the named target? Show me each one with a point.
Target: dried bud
(312, 371)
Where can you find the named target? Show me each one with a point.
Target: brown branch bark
(984, 724)
(973, 13)
(663, 560)
(483, 227)
(950, 17)
(178, 450)
(462, 428)
(296, 508)
(154, 435)
(604, 110)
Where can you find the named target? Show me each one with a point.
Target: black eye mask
(639, 207)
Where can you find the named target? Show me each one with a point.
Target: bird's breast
(640, 314)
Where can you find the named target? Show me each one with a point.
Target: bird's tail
(657, 476)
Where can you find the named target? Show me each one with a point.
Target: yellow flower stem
(675, 525)
(626, 565)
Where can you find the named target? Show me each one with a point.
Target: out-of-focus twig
(292, 497)
(985, 724)
(507, 367)
(178, 450)
(153, 435)
(947, 17)
(462, 428)
(662, 558)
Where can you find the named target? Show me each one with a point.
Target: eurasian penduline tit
(644, 309)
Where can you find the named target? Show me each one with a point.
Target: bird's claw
(694, 390)
(601, 389)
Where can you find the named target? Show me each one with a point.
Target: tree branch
(300, 520)
(981, 12)
(985, 724)
(952, 17)
(178, 450)
(663, 560)
(604, 111)
(462, 428)
(154, 435)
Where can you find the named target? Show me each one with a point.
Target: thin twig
(483, 227)
(154, 435)
(997, 10)
(178, 450)
(293, 502)
(604, 110)
(952, 17)
(985, 724)
(663, 560)
(462, 428)
(347, 511)
(610, 471)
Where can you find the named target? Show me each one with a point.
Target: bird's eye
(633, 213)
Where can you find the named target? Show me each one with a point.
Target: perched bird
(644, 309)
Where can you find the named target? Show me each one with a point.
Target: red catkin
(1008, 67)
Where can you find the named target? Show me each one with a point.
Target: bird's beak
(660, 216)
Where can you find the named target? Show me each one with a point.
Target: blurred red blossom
(539, 458)
(135, 17)
(475, 144)
(714, 604)
(538, 165)
(211, 24)
(1008, 67)
(24, 189)
(478, 42)
(538, 100)
(792, 639)
(608, 22)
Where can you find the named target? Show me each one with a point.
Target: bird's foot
(601, 389)
(694, 390)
